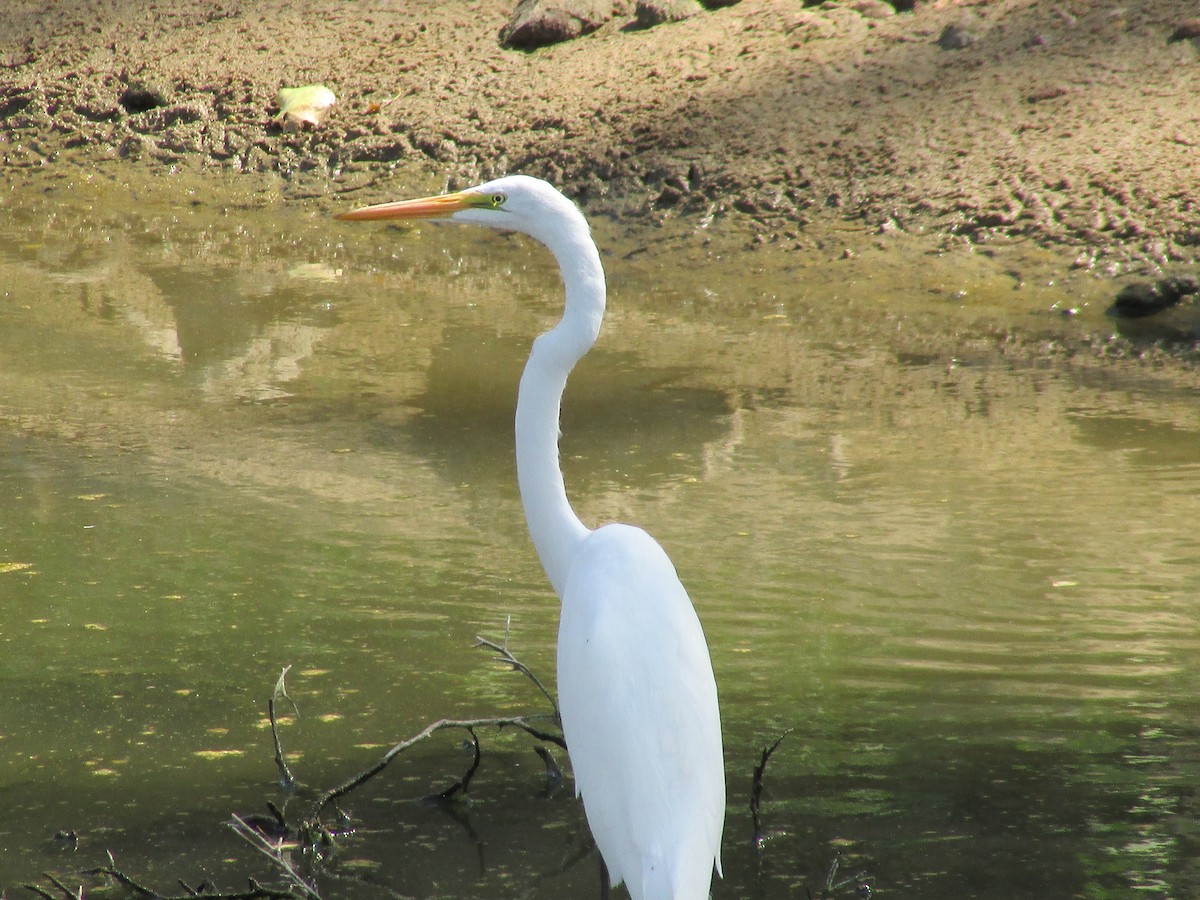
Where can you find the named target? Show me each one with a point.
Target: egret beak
(442, 206)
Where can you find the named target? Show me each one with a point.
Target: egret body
(635, 682)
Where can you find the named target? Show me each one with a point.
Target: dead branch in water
(110, 872)
(506, 656)
(272, 836)
(285, 774)
(274, 851)
(756, 788)
(525, 723)
(860, 885)
(531, 725)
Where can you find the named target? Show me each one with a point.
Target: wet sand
(1074, 125)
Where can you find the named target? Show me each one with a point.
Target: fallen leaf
(217, 754)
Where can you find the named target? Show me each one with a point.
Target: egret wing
(640, 715)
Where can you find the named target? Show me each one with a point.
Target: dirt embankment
(1076, 123)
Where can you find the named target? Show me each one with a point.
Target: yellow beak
(440, 207)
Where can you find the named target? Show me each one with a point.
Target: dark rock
(656, 12)
(538, 23)
(956, 36)
(1135, 301)
(1184, 31)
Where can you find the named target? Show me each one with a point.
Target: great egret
(635, 682)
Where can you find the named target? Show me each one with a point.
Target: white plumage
(635, 682)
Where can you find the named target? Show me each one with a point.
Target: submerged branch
(522, 722)
(274, 852)
(860, 885)
(757, 785)
(41, 892)
(285, 774)
(528, 724)
(254, 891)
(465, 782)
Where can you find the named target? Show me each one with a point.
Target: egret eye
(498, 200)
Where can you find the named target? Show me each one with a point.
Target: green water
(237, 436)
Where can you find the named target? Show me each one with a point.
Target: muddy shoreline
(1074, 125)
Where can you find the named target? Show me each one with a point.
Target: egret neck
(555, 528)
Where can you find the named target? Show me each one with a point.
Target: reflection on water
(235, 439)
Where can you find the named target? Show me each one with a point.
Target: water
(959, 566)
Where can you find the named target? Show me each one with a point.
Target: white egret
(635, 682)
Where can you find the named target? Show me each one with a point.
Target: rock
(656, 12)
(1185, 31)
(537, 23)
(956, 36)
(873, 9)
(1048, 92)
(1135, 301)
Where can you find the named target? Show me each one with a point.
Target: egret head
(513, 203)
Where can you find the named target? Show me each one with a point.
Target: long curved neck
(553, 525)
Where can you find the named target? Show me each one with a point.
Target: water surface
(958, 564)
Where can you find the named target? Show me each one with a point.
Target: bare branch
(117, 875)
(522, 722)
(273, 852)
(756, 787)
(554, 773)
(506, 656)
(70, 894)
(465, 782)
(256, 891)
(285, 774)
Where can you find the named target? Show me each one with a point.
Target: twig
(465, 782)
(272, 826)
(285, 774)
(522, 722)
(256, 891)
(116, 874)
(554, 773)
(506, 656)
(756, 788)
(273, 852)
(70, 894)
(862, 884)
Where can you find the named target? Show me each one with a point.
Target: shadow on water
(465, 418)
(926, 524)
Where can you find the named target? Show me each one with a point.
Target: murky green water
(238, 436)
